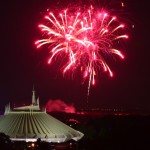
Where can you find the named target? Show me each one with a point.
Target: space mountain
(29, 123)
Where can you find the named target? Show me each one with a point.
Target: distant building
(28, 123)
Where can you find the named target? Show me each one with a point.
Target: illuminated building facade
(28, 123)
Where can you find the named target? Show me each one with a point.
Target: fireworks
(83, 40)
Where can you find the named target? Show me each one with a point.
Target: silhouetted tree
(43, 145)
(5, 142)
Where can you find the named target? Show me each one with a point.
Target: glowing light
(122, 4)
(133, 26)
(83, 39)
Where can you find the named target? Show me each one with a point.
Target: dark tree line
(5, 142)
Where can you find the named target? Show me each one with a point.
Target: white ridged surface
(30, 126)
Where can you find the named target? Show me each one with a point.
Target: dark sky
(22, 65)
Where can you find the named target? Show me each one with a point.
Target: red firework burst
(83, 38)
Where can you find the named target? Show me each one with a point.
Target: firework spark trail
(84, 38)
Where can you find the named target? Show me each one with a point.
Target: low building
(29, 123)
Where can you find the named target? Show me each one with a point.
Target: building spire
(7, 108)
(33, 96)
(37, 101)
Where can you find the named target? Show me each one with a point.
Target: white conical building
(28, 123)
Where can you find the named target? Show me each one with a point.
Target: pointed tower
(7, 109)
(37, 102)
(33, 97)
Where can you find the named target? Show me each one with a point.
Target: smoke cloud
(59, 105)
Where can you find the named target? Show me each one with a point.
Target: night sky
(22, 65)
